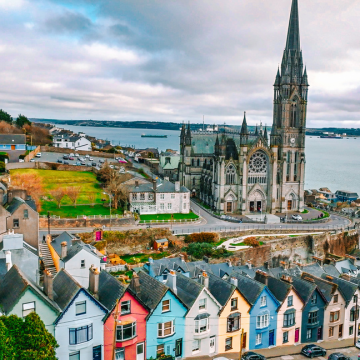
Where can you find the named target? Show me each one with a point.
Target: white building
(158, 197)
(74, 142)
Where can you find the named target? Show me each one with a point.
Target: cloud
(174, 60)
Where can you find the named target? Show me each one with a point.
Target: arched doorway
(230, 204)
(193, 193)
(257, 201)
(291, 202)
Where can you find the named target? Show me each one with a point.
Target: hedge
(204, 237)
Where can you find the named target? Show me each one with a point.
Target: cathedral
(243, 172)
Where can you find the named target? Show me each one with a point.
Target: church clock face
(292, 142)
(258, 163)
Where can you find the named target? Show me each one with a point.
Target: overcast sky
(174, 60)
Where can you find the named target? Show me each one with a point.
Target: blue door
(271, 338)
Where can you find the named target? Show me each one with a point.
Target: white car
(38, 155)
(91, 159)
(296, 217)
(32, 160)
(77, 155)
(87, 156)
(71, 154)
(358, 343)
(111, 166)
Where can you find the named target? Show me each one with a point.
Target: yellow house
(233, 316)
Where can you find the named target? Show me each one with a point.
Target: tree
(4, 116)
(2, 169)
(58, 195)
(118, 190)
(73, 193)
(22, 120)
(7, 346)
(92, 198)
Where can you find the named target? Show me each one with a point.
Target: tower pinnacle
(293, 36)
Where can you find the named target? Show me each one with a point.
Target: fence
(115, 268)
(167, 221)
(88, 217)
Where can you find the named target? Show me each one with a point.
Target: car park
(250, 355)
(313, 350)
(338, 356)
(38, 155)
(296, 217)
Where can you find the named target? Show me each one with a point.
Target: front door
(259, 207)
(289, 205)
(244, 341)
(229, 207)
(340, 331)
(252, 206)
(319, 333)
(12, 147)
(212, 345)
(271, 338)
(297, 335)
(178, 348)
(140, 352)
(97, 352)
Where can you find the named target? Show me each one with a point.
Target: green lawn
(243, 244)
(143, 257)
(167, 217)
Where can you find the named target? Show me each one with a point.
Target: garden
(168, 218)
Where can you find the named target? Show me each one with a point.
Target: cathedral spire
(256, 131)
(293, 36)
(265, 133)
(244, 129)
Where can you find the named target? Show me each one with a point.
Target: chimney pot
(229, 262)
(8, 260)
(94, 279)
(154, 185)
(204, 279)
(48, 284)
(182, 258)
(63, 249)
(136, 283)
(249, 264)
(171, 281)
(262, 277)
(234, 281)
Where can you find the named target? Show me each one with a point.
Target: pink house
(125, 326)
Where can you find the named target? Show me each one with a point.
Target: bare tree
(73, 193)
(92, 197)
(118, 190)
(58, 195)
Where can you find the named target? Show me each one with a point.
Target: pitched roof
(304, 288)
(110, 290)
(280, 289)
(65, 288)
(57, 240)
(16, 202)
(331, 270)
(346, 288)
(76, 248)
(314, 269)
(7, 139)
(325, 287)
(151, 290)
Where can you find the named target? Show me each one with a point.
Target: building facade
(244, 172)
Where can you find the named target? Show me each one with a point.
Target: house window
(202, 304)
(134, 196)
(195, 345)
(228, 344)
(233, 323)
(351, 330)
(334, 316)
(258, 339)
(331, 331)
(184, 196)
(120, 354)
(166, 329)
(313, 299)
(290, 300)
(142, 196)
(289, 319)
(166, 305)
(16, 223)
(201, 325)
(160, 350)
(184, 206)
(234, 304)
(308, 334)
(336, 299)
(263, 301)
(125, 307)
(262, 321)
(126, 332)
(74, 356)
(80, 308)
(169, 206)
(352, 314)
(26, 213)
(313, 317)
(162, 196)
(285, 337)
(173, 196)
(28, 308)
(82, 264)
(151, 196)
(162, 206)
(80, 335)
(355, 298)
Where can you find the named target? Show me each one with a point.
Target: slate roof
(76, 248)
(163, 186)
(325, 287)
(11, 139)
(110, 289)
(151, 290)
(64, 236)
(346, 288)
(65, 288)
(303, 288)
(16, 202)
(18, 283)
(314, 269)
(280, 289)
(188, 289)
(331, 270)
(221, 269)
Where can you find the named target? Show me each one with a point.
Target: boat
(153, 136)
(330, 137)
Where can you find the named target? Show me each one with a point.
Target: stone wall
(81, 152)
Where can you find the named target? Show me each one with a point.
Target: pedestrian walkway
(280, 351)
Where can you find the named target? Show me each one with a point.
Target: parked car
(101, 161)
(21, 160)
(93, 164)
(87, 156)
(78, 163)
(82, 163)
(313, 350)
(296, 217)
(59, 161)
(66, 157)
(250, 355)
(358, 343)
(91, 159)
(32, 160)
(111, 166)
(77, 155)
(66, 163)
(71, 158)
(338, 356)
(38, 155)
(71, 154)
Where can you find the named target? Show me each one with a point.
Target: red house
(125, 324)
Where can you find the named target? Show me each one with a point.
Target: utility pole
(115, 315)
(241, 343)
(356, 318)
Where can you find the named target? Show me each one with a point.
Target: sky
(175, 60)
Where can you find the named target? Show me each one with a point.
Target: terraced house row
(177, 309)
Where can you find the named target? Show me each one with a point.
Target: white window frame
(258, 339)
(134, 196)
(172, 196)
(162, 196)
(169, 206)
(202, 326)
(121, 327)
(196, 346)
(202, 304)
(74, 355)
(308, 334)
(262, 321)
(82, 264)
(164, 327)
(28, 308)
(263, 301)
(162, 206)
(125, 303)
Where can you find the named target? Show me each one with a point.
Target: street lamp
(110, 206)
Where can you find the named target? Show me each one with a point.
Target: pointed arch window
(230, 175)
(293, 115)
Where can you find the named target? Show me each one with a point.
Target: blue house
(263, 312)
(349, 196)
(165, 326)
(12, 142)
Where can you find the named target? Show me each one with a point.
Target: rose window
(258, 163)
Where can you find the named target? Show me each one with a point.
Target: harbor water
(332, 163)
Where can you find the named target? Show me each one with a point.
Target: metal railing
(168, 221)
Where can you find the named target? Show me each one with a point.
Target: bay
(332, 163)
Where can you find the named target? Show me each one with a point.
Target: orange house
(161, 244)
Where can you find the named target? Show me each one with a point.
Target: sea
(332, 163)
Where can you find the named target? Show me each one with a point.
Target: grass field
(243, 244)
(167, 217)
(143, 257)
(53, 179)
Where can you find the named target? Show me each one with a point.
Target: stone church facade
(245, 172)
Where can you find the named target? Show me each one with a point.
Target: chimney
(136, 183)
(204, 279)
(266, 265)
(229, 263)
(177, 186)
(8, 260)
(171, 281)
(330, 278)
(154, 185)
(234, 281)
(182, 258)
(93, 280)
(63, 249)
(135, 283)
(206, 259)
(319, 260)
(262, 277)
(345, 277)
(48, 284)
(249, 264)
(286, 278)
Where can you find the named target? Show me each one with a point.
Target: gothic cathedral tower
(289, 122)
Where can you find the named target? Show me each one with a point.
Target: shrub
(204, 237)
(251, 241)
(198, 251)
(3, 156)
(2, 166)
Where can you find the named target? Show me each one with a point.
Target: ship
(153, 136)
(331, 136)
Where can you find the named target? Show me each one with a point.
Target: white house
(77, 259)
(72, 141)
(79, 329)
